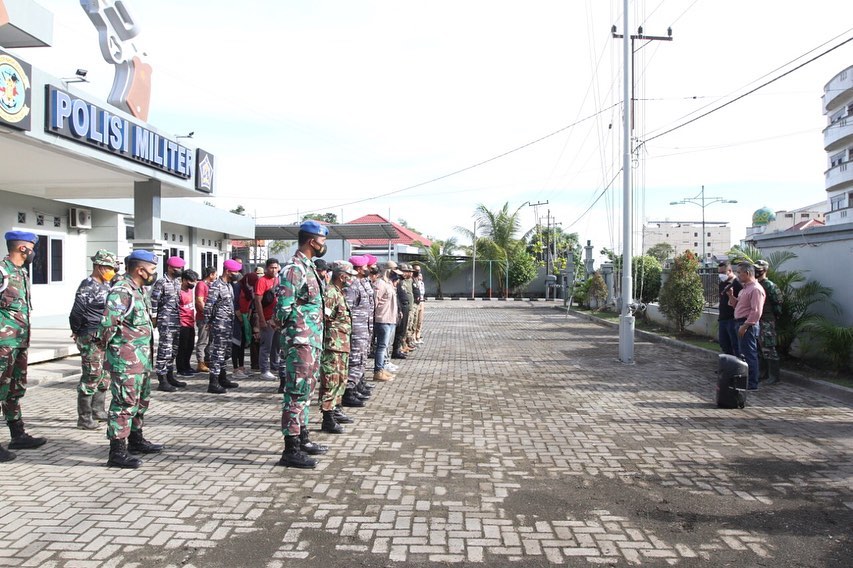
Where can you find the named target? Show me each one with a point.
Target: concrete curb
(826, 388)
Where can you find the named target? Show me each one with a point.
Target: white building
(85, 174)
(838, 143)
(766, 221)
(714, 237)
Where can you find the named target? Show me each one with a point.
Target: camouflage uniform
(127, 334)
(89, 305)
(336, 348)
(219, 315)
(165, 301)
(359, 304)
(772, 309)
(299, 313)
(15, 309)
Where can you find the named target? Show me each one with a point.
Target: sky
(356, 106)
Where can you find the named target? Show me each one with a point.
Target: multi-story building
(765, 220)
(714, 238)
(838, 143)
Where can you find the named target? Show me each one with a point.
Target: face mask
(108, 275)
(29, 256)
(151, 279)
(235, 276)
(319, 253)
(724, 277)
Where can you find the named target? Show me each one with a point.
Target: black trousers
(400, 332)
(186, 344)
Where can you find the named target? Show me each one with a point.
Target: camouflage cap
(762, 265)
(105, 258)
(343, 266)
(406, 267)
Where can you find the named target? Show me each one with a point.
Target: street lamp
(702, 202)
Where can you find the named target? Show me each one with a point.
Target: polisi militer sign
(77, 119)
(15, 92)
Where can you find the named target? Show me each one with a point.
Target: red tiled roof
(407, 236)
(807, 225)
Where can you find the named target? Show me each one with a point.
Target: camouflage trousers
(13, 380)
(131, 397)
(419, 322)
(301, 370)
(767, 341)
(219, 346)
(333, 378)
(359, 347)
(167, 347)
(94, 377)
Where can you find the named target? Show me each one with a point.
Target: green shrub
(681, 298)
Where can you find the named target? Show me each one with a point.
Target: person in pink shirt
(748, 305)
(186, 315)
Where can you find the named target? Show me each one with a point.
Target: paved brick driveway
(513, 437)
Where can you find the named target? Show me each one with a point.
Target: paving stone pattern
(512, 437)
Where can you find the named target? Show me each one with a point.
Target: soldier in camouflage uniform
(334, 363)
(219, 315)
(15, 309)
(359, 301)
(127, 334)
(299, 315)
(89, 304)
(768, 357)
(165, 297)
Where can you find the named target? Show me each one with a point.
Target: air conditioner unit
(79, 218)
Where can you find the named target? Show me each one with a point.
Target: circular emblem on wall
(14, 90)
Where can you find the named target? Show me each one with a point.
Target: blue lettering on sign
(84, 122)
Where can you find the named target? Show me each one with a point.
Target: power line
(751, 91)
(600, 195)
(459, 171)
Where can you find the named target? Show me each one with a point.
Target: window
(22, 217)
(39, 219)
(789, 215)
(129, 232)
(836, 203)
(709, 234)
(47, 265)
(695, 245)
(804, 215)
(695, 234)
(55, 260)
(209, 259)
(836, 159)
(708, 244)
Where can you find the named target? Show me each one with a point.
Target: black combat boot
(352, 400)
(342, 418)
(224, 382)
(20, 439)
(308, 446)
(213, 386)
(280, 385)
(292, 456)
(362, 393)
(99, 400)
(170, 378)
(84, 412)
(119, 456)
(773, 371)
(137, 444)
(164, 384)
(330, 425)
(398, 355)
(6, 455)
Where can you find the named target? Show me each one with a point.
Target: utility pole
(474, 263)
(626, 319)
(702, 202)
(536, 213)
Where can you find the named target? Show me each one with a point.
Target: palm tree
(439, 262)
(496, 237)
(799, 295)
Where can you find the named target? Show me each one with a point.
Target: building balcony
(839, 216)
(840, 176)
(838, 134)
(838, 91)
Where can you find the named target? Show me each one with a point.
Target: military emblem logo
(14, 92)
(204, 172)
